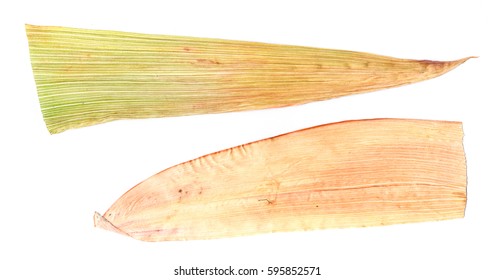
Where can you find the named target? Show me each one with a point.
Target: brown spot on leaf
(432, 64)
(270, 202)
(207, 61)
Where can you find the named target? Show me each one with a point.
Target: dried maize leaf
(85, 77)
(348, 174)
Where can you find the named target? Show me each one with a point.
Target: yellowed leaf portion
(85, 77)
(348, 174)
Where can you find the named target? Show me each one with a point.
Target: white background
(50, 185)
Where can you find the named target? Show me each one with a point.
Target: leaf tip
(101, 222)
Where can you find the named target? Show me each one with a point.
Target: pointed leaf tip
(101, 222)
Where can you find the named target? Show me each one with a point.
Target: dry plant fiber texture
(86, 77)
(348, 174)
